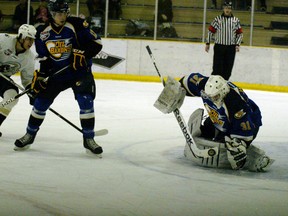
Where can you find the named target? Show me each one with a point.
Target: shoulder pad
(78, 22)
(40, 28)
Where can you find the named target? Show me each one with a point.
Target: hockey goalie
(232, 124)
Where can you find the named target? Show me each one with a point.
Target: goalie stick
(197, 153)
(101, 132)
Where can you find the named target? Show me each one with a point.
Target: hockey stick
(97, 133)
(27, 90)
(101, 132)
(198, 153)
(56, 73)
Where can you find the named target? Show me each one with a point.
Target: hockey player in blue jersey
(65, 44)
(234, 119)
(230, 110)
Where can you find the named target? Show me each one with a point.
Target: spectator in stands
(165, 18)
(20, 15)
(263, 6)
(165, 11)
(214, 4)
(96, 17)
(96, 7)
(227, 33)
(115, 10)
(41, 13)
(1, 16)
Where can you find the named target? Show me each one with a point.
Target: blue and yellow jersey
(238, 116)
(57, 43)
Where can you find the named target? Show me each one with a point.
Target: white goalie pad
(257, 160)
(171, 97)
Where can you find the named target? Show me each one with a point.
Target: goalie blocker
(256, 160)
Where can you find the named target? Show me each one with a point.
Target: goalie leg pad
(257, 160)
(218, 161)
(171, 97)
(194, 122)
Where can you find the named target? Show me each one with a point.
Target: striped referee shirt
(226, 30)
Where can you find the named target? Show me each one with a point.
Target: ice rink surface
(143, 171)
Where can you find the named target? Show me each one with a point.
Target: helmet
(216, 88)
(227, 4)
(58, 6)
(26, 30)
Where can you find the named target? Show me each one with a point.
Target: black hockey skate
(90, 144)
(0, 134)
(24, 142)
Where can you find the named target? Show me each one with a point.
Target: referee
(227, 33)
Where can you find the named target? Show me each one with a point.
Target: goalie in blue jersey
(65, 46)
(232, 124)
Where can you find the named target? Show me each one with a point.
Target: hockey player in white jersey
(15, 56)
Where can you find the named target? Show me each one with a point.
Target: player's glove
(78, 60)
(38, 82)
(31, 94)
(236, 152)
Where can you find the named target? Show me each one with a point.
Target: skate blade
(21, 149)
(92, 154)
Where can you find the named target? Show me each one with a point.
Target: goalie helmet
(59, 6)
(26, 30)
(216, 88)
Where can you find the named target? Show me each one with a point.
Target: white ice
(143, 171)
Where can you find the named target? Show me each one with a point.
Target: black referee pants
(223, 60)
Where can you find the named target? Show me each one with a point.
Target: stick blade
(101, 132)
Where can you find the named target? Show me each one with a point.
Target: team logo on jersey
(85, 24)
(196, 79)
(239, 114)
(59, 49)
(44, 35)
(214, 115)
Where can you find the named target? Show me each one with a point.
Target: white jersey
(23, 62)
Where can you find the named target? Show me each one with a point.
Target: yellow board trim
(130, 77)
(139, 78)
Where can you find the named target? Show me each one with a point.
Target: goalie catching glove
(38, 82)
(236, 152)
(79, 60)
(172, 96)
